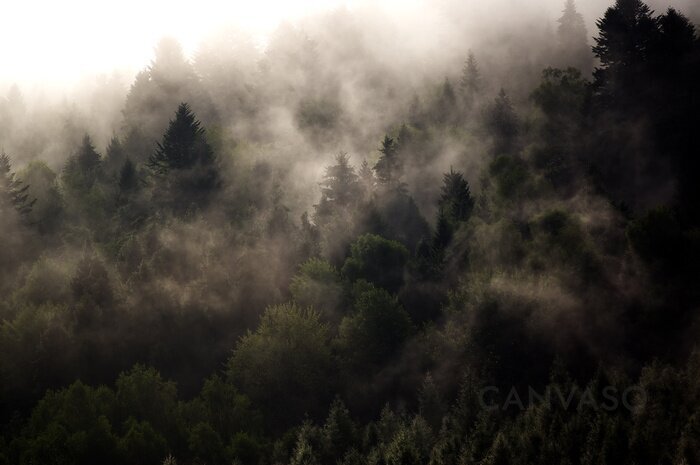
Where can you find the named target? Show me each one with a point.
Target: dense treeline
(179, 297)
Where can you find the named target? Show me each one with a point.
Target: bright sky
(53, 41)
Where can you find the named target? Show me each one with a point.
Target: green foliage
(456, 201)
(511, 177)
(317, 284)
(12, 193)
(285, 364)
(377, 260)
(47, 212)
(502, 123)
(388, 168)
(471, 83)
(142, 445)
(83, 169)
(184, 165)
(376, 329)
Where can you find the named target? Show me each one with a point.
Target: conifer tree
(84, 168)
(502, 123)
(115, 156)
(12, 193)
(456, 201)
(623, 44)
(471, 84)
(367, 179)
(340, 183)
(128, 177)
(184, 164)
(388, 168)
(573, 40)
(340, 189)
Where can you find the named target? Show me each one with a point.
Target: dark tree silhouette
(502, 122)
(471, 83)
(455, 200)
(388, 167)
(12, 193)
(573, 40)
(83, 169)
(622, 46)
(340, 189)
(115, 156)
(184, 164)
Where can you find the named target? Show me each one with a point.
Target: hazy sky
(74, 37)
(50, 42)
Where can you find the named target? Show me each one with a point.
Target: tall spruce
(13, 195)
(184, 165)
(471, 83)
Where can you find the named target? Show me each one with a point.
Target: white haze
(51, 45)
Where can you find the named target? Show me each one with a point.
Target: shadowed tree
(114, 157)
(622, 46)
(502, 122)
(471, 83)
(83, 169)
(340, 187)
(456, 200)
(573, 40)
(388, 167)
(367, 179)
(184, 165)
(12, 193)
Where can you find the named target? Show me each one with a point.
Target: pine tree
(128, 177)
(115, 156)
(502, 122)
(456, 201)
(446, 110)
(12, 193)
(388, 168)
(443, 232)
(471, 84)
(184, 164)
(84, 168)
(340, 184)
(623, 45)
(573, 39)
(571, 29)
(367, 179)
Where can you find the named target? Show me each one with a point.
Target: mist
(341, 232)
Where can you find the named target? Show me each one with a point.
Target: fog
(314, 232)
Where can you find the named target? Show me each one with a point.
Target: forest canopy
(297, 255)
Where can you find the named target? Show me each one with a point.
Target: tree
(456, 200)
(375, 330)
(47, 212)
(446, 105)
(573, 39)
(377, 260)
(128, 177)
(13, 194)
(471, 84)
(502, 122)
(622, 46)
(184, 164)
(388, 167)
(114, 156)
(284, 366)
(340, 187)
(367, 179)
(83, 169)
(318, 285)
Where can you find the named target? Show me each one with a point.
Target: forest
(310, 254)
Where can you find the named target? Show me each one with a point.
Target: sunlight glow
(76, 37)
